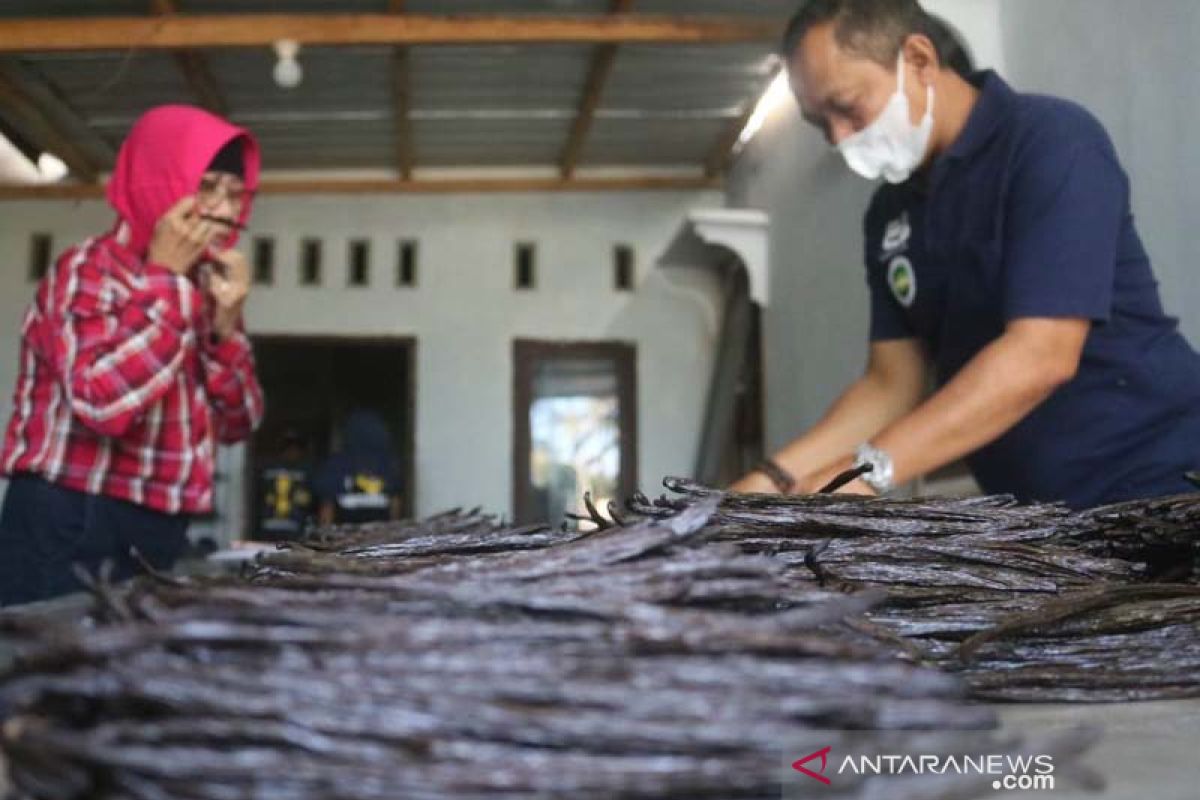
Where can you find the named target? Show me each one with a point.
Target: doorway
(312, 383)
(575, 426)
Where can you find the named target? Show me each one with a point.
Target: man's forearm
(892, 385)
(862, 411)
(994, 392)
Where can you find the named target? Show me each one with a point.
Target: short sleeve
(888, 319)
(1067, 205)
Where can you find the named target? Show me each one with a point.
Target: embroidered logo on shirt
(896, 237)
(903, 280)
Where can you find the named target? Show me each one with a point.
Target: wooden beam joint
(593, 92)
(402, 103)
(194, 67)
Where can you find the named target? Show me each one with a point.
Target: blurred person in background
(285, 505)
(361, 482)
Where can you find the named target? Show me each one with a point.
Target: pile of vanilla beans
(1030, 603)
(459, 658)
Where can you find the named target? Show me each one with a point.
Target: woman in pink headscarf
(134, 364)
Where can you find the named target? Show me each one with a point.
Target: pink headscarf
(163, 159)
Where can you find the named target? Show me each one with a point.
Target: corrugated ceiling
(471, 106)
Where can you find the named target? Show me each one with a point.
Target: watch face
(872, 480)
(880, 476)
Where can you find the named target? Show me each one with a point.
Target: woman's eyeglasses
(212, 190)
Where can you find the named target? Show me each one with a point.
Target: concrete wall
(464, 314)
(1133, 65)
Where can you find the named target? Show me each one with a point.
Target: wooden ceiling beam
(194, 67)
(418, 186)
(27, 116)
(181, 31)
(593, 91)
(402, 103)
(200, 80)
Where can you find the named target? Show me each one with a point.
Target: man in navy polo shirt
(1001, 250)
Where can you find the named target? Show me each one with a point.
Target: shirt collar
(116, 241)
(994, 106)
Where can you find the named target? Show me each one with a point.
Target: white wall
(815, 327)
(464, 314)
(1134, 66)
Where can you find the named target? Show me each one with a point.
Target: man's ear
(920, 51)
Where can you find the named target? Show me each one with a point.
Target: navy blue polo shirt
(1028, 215)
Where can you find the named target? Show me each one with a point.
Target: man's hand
(181, 237)
(858, 487)
(826, 477)
(229, 287)
(754, 483)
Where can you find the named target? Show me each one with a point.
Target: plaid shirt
(122, 390)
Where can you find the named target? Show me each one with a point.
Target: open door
(311, 385)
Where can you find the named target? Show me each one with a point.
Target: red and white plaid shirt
(122, 390)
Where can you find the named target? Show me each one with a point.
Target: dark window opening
(40, 249)
(264, 261)
(310, 262)
(623, 267)
(526, 266)
(406, 270)
(360, 263)
(323, 380)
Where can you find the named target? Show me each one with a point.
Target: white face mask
(891, 147)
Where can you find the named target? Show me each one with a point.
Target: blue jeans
(45, 529)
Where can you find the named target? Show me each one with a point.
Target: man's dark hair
(877, 29)
(952, 49)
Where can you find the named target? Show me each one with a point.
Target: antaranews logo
(1010, 772)
(822, 754)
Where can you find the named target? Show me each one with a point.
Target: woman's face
(221, 196)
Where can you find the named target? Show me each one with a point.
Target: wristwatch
(882, 473)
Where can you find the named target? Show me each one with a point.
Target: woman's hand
(180, 237)
(229, 287)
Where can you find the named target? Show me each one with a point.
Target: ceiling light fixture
(777, 96)
(52, 168)
(288, 72)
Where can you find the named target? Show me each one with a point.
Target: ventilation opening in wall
(406, 266)
(360, 263)
(264, 261)
(623, 265)
(40, 248)
(310, 262)
(526, 266)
